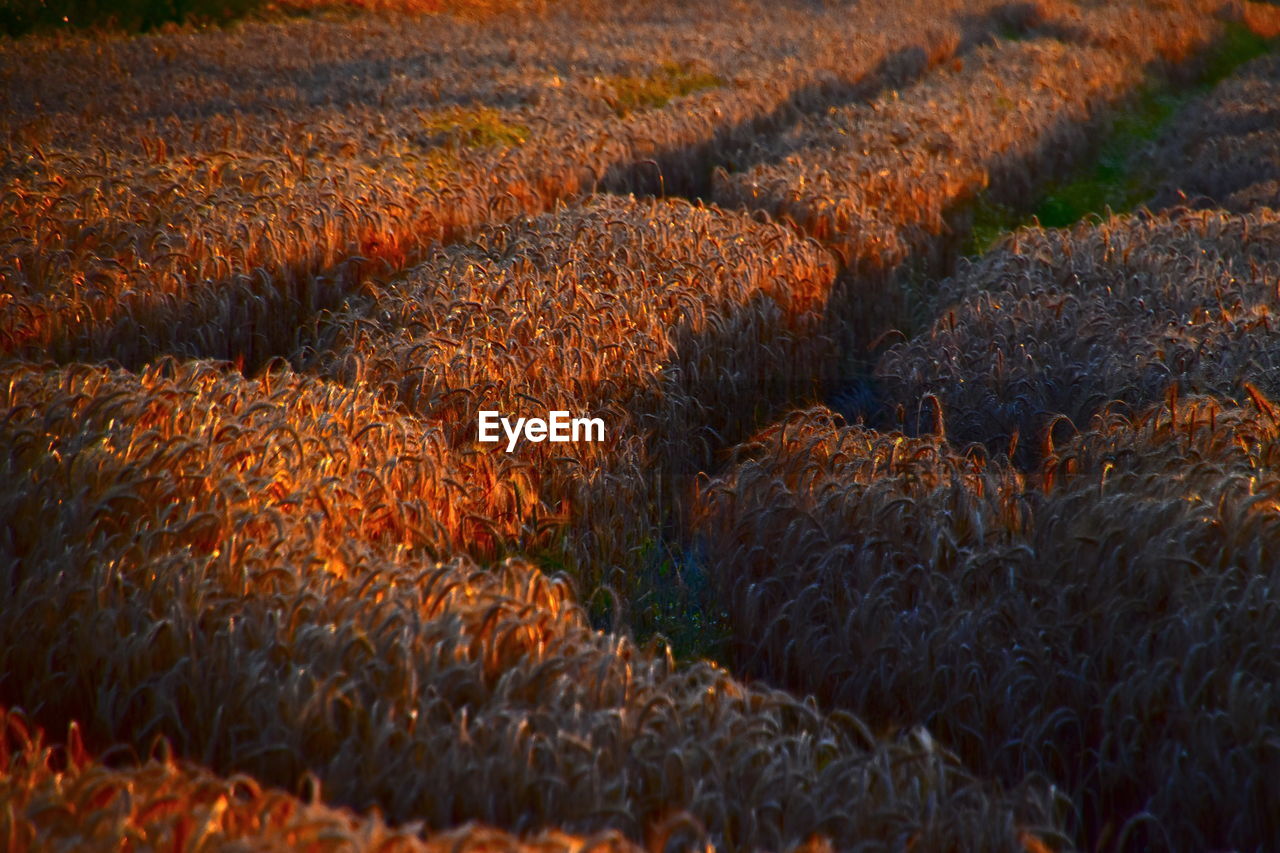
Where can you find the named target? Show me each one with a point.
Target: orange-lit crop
(261, 286)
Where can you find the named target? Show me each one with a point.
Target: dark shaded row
(1108, 631)
(172, 592)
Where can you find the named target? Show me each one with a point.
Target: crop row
(294, 574)
(205, 193)
(891, 181)
(1097, 616)
(1224, 151)
(1108, 629)
(60, 796)
(680, 327)
(439, 692)
(1060, 323)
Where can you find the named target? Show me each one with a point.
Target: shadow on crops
(256, 315)
(1022, 426)
(687, 170)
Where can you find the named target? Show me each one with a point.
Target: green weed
(474, 127)
(656, 89)
(677, 605)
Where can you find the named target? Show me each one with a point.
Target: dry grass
(480, 10)
(815, 518)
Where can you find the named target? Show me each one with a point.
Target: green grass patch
(674, 603)
(473, 127)
(669, 600)
(1238, 45)
(991, 221)
(1114, 181)
(1012, 32)
(671, 80)
(450, 131)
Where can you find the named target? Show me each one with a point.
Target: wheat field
(912, 523)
